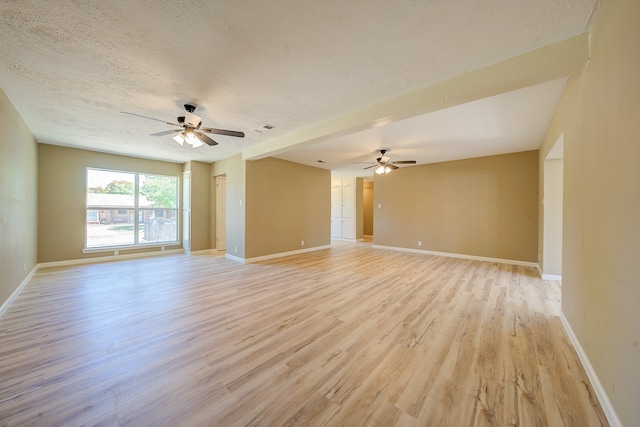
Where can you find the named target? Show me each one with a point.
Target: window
(92, 216)
(127, 208)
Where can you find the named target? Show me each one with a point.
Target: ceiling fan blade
(223, 132)
(404, 162)
(204, 138)
(150, 118)
(166, 132)
(369, 167)
(364, 163)
(392, 166)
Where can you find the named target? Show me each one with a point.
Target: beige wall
(286, 203)
(62, 197)
(599, 115)
(367, 205)
(234, 168)
(18, 199)
(482, 207)
(200, 205)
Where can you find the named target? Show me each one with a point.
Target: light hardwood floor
(348, 336)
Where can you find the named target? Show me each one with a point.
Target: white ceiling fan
(385, 165)
(190, 129)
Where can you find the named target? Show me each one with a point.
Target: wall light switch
(379, 205)
(240, 202)
(302, 243)
(236, 249)
(419, 242)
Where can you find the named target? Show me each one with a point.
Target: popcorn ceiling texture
(71, 66)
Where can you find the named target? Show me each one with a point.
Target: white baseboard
(16, 292)
(234, 258)
(278, 255)
(462, 256)
(607, 407)
(544, 276)
(108, 258)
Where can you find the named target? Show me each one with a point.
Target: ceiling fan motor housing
(192, 120)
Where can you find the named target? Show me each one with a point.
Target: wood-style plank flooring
(347, 336)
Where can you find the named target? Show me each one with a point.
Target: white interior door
(336, 227)
(348, 228)
(349, 202)
(336, 212)
(186, 211)
(221, 213)
(336, 202)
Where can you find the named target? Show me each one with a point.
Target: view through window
(127, 208)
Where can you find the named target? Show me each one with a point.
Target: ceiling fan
(385, 165)
(190, 129)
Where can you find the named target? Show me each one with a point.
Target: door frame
(220, 246)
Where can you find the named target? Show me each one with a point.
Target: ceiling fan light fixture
(179, 139)
(383, 169)
(190, 137)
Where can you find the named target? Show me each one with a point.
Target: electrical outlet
(419, 242)
(302, 243)
(236, 249)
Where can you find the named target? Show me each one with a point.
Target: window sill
(116, 249)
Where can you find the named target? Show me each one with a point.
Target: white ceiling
(507, 123)
(71, 66)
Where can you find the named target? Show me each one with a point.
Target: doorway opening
(552, 208)
(367, 205)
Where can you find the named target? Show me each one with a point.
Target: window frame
(137, 211)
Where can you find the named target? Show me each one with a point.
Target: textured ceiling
(71, 66)
(511, 122)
